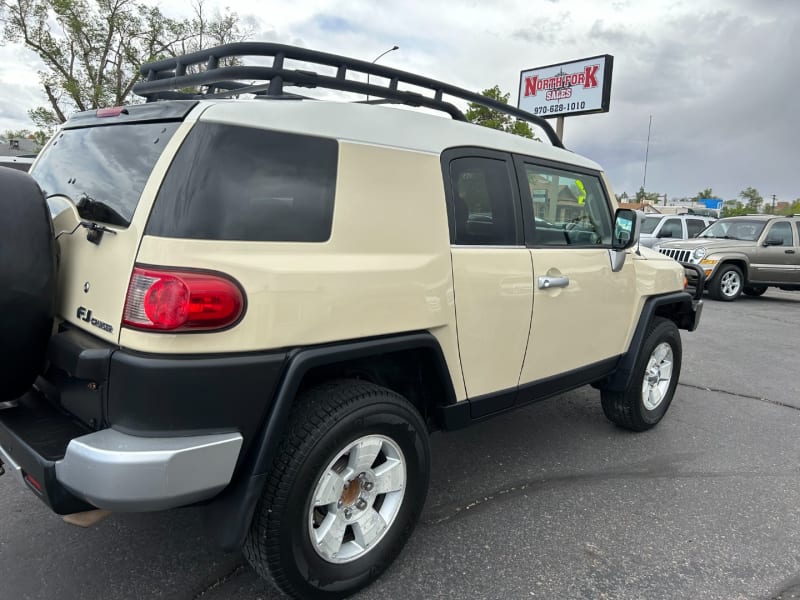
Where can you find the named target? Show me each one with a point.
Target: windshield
(650, 223)
(103, 170)
(735, 229)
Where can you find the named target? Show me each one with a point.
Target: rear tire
(727, 284)
(27, 282)
(653, 380)
(345, 493)
(755, 290)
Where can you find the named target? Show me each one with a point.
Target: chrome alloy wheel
(730, 283)
(357, 498)
(657, 376)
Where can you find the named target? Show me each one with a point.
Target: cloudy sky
(721, 79)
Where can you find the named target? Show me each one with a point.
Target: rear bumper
(124, 431)
(121, 472)
(110, 469)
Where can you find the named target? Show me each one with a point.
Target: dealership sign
(573, 88)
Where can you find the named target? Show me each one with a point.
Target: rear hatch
(100, 174)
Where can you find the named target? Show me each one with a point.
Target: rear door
(582, 311)
(96, 171)
(492, 278)
(776, 263)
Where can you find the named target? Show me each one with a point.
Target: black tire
(629, 409)
(755, 290)
(27, 282)
(727, 284)
(326, 420)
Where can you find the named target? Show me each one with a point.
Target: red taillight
(34, 484)
(181, 300)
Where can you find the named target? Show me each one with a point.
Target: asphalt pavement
(549, 501)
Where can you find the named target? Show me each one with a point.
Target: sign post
(578, 87)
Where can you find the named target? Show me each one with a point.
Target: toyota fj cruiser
(744, 254)
(265, 305)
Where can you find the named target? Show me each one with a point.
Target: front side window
(671, 229)
(483, 202)
(781, 231)
(569, 209)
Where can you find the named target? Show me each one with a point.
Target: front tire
(728, 284)
(345, 493)
(653, 380)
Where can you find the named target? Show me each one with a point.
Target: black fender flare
(229, 515)
(681, 307)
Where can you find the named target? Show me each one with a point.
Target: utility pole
(646, 152)
(773, 204)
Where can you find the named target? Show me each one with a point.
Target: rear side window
(104, 169)
(695, 226)
(239, 183)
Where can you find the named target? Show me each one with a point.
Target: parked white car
(672, 227)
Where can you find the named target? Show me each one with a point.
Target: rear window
(240, 183)
(103, 170)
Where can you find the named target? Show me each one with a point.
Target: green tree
(731, 208)
(38, 137)
(752, 198)
(706, 193)
(652, 197)
(792, 209)
(92, 49)
(488, 117)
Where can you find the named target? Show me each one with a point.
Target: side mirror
(773, 240)
(626, 229)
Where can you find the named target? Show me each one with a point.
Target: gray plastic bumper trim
(121, 472)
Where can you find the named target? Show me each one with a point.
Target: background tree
(92, 49)
(752, 198)
(488, 117)
(39, 138)
(705, 194)
(731, 208)
(652, 197)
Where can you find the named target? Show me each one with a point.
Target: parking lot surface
(550, 501)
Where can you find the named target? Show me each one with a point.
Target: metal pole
(560, 128)
(773, 204)
(646, 152)
(374, 60)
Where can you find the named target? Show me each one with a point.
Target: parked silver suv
(744, 254)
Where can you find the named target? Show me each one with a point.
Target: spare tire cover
(27, 281)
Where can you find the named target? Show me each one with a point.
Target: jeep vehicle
(671, 227)
(744, 254)
(266, 304)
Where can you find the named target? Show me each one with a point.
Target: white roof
(379, 125)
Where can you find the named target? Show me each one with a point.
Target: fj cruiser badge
(85, 314)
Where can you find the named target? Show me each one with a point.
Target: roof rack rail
(167, 79)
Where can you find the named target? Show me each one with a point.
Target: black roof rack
(169, 78)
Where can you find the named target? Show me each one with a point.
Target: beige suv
(265, 305)
(745, 254)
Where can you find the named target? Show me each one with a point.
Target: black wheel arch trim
(679, 307)
(229, 515)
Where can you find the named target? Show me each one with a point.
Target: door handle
(789, 251)
(545, 283)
